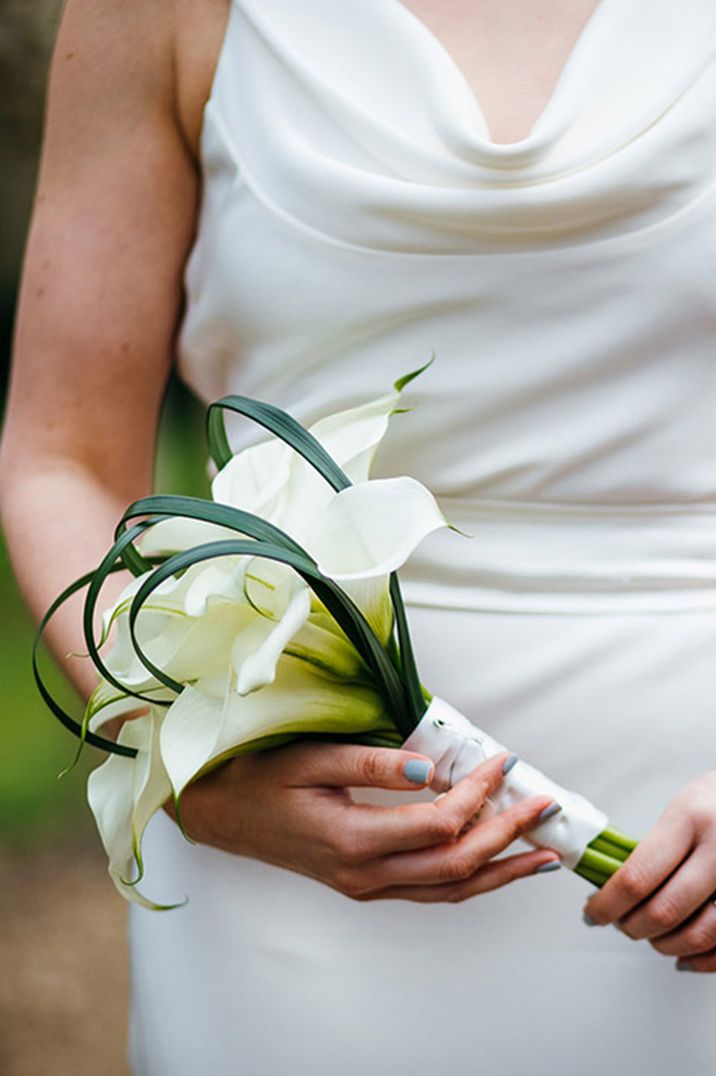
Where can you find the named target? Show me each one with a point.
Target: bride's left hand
(665, 891)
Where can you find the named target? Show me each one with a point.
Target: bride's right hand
(292, 807)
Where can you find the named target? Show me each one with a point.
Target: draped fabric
(355, 218)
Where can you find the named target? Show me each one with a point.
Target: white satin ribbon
(456, 746)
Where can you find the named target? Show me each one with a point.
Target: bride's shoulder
(125, 54)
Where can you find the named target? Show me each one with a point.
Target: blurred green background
(35, 808)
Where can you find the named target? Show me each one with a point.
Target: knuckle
(370, 764)
(699, 938)
(457, 868)
(350, 884)
(632, 881)
(445, 825)
(665, 915)
(351, 846)
(509, 825)
(456, 894)
(518, 823)
(483, 783)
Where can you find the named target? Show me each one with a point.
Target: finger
(353, 766)
(704, 962)
(460, 859)
(648, 866)
(697, 935)
(677, 899)
(492, 876)
(371, 832)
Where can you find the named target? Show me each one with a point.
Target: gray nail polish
(544, 868)
(417, 771)
(510, 763)
(548, 812)
(588, 920)
(684, 965)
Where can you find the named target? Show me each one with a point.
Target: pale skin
(100, 305)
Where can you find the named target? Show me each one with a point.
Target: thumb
(353, 766)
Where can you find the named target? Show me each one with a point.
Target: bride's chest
(510, 54)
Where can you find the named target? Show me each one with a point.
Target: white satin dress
(356, 216)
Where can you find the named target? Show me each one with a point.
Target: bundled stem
(604, 856)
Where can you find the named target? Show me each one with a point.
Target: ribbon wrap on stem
(456, 746)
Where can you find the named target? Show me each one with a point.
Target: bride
(299, 202)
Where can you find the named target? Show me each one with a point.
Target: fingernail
(417, 771)
(510, 763)
(548, 812)
(551, 865)
(684, 965)
(588, 920)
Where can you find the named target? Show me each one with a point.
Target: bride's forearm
(58, 519)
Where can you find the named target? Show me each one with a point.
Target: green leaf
(401, 383)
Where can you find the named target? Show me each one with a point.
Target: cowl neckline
(386, 76)
(572, 81)
(349, 121)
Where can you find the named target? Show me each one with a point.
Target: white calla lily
(372, 528)
(256, 650)
(272, 481)
(368, 531)
(123, 794)
(107, 703)
(357, 536)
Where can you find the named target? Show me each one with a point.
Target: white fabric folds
(456, 746)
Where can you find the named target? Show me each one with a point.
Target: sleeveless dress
(356, 217)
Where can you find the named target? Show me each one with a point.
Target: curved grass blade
(278, 422)
(108, 565)
(59, 712)
(416, 701)
(163, 506)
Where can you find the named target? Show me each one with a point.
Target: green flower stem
(599, 861)
(595, 877)
(604, 855)
(621, 839)
(602, 844)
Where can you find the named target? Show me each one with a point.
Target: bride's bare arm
(99, 307)
(100, 298)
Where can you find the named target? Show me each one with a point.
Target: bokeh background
(63, 991)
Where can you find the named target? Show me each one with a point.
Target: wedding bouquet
(274, 611)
